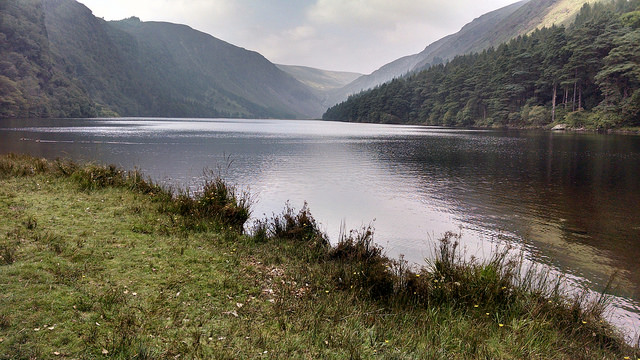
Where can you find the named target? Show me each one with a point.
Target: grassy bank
(97, 262)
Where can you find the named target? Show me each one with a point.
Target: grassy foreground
(96, 262)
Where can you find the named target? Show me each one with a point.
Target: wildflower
(584, 322)
(501, 325)
(386, 341)
(417, 275)
(487, 314)
(475, 306)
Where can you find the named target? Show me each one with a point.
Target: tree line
(585, 75)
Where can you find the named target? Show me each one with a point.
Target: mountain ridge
(134, 68)
(490, 29)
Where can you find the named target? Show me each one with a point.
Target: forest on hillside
(585, 75)
(30, 86)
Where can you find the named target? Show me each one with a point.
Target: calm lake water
(569, 201)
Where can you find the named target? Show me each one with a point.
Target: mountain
(514, 20)
(135, 68)
(318, 79)
(584, 75)
(488, 30)
(30, 85)
(322, 82)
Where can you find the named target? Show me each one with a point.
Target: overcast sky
(347, 35)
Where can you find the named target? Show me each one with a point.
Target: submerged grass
(99, 262)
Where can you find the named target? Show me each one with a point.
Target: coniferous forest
(585, 75)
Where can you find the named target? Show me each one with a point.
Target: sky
(341, 35)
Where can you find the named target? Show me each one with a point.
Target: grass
(98, 262)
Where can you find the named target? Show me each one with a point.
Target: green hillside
(586, 75)
(133, 68)
(30, 85)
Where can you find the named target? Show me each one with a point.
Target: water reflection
(568, 200)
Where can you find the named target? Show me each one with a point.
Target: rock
(560, 127)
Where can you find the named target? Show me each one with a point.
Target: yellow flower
(584, 322)
(386, 341)
(475, 306)
(501, 325)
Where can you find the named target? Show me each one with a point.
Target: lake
(570, 201)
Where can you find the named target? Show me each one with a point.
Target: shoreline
(109, 247)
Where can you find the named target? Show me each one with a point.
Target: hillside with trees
(488, 30)
(585, 75)
(30, 85)
(59, 60)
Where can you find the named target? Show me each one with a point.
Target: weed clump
(22, 165)
(217, 201)
(8, 253)
(363, 264)
(289, 225)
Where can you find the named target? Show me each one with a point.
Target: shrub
(299, 226)
(364, 265)
(217, 201)
(8, 253)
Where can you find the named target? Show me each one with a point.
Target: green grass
(98, 263)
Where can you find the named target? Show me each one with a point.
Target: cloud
(351, 35)
(379, 13)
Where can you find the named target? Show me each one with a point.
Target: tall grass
(216, 201)
(501, 288)
(291, 225)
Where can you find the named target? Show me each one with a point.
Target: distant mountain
(135, 68)
(488, 30)
(322, 80)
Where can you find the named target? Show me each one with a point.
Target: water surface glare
(570, 201)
